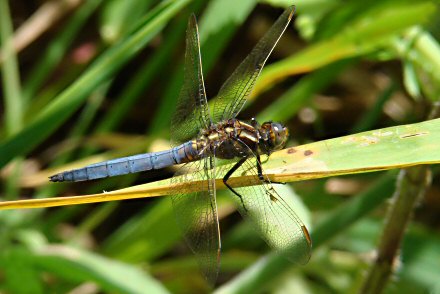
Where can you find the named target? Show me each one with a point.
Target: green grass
(342, 68)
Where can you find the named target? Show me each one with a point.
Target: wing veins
(233, 93)
(192, 112)
(197, 215)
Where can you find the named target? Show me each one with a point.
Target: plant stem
(411, 187)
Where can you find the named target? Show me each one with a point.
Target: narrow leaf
(382, 149)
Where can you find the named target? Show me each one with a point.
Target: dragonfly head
(277, 135)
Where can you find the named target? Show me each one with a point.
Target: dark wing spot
(307, 235)
(273, 198)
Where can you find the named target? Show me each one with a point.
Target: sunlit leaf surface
(382, 149)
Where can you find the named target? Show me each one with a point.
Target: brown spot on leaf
(308, 152)
(291, 150)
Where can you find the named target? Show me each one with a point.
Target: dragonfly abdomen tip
(56, 178)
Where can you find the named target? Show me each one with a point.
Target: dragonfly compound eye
(279, 135)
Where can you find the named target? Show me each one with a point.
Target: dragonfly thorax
(234, 138)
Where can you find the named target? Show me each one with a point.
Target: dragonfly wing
(273, 218)
(236, 89)
(196, 214)
(192, 111)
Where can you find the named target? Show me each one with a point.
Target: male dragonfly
(202, 141)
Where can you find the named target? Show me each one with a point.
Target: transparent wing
(192, 111)
(196, 214)
(273, 218)
(236, 89)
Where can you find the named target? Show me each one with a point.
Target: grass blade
(69, 100)
(370, 151)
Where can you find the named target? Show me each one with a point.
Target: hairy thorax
(229, 139)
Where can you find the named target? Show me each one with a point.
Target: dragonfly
(203, 142)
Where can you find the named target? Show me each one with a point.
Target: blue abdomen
(131, 164)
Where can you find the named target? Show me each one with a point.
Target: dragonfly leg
(266, 160)
(254, 123)
(229, 174)
(260, 173)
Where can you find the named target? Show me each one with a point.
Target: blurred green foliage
(110, 69)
